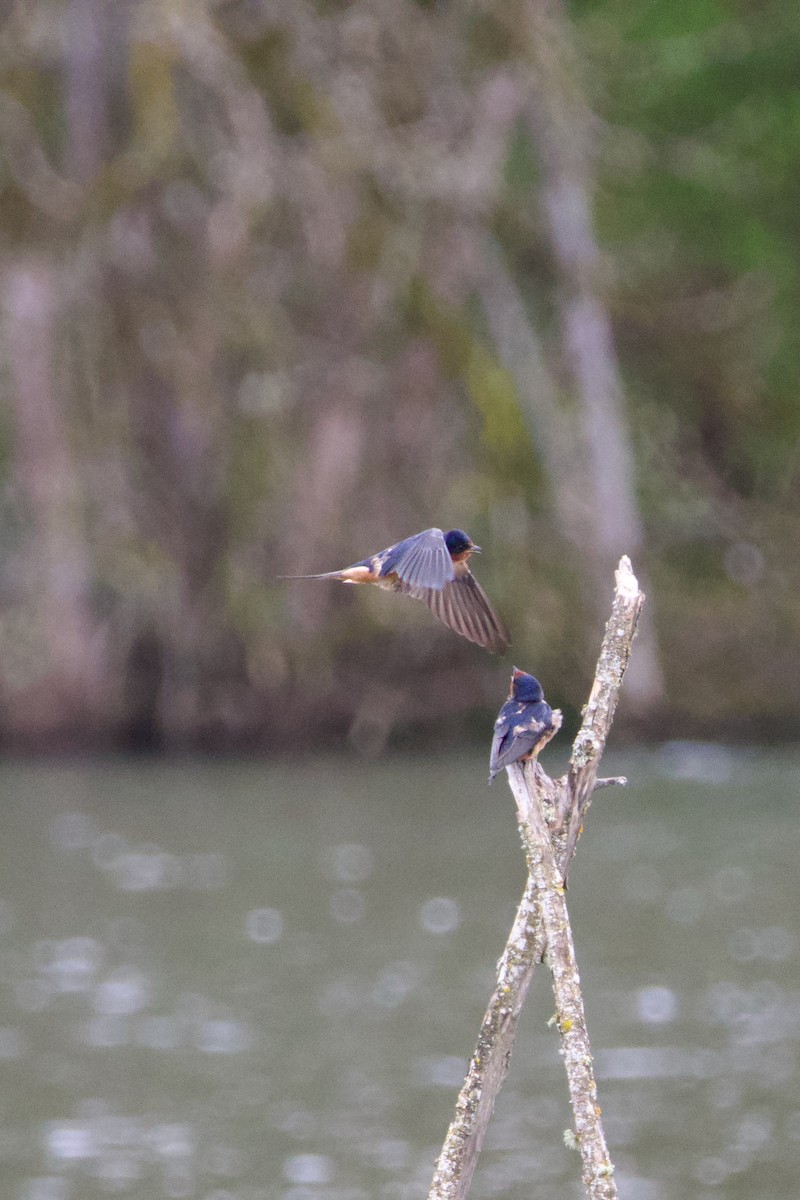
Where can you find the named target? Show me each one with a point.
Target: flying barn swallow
(434, 567)
(524, 725)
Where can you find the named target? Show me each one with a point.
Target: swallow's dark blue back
(508, 746)
(514, 712)
(423, 561)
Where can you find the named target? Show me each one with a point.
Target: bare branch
(488, 1067)
(531, 798)
(588, 747)
(542, 928)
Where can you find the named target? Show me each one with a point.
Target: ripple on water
(440, 914)
(308, 1168)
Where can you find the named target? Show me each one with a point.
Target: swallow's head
(525, 688)
(460, 543)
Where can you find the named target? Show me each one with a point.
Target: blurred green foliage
(245, 334)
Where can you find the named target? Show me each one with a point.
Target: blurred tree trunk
(58, 690)
(88, 50)
(608, 523)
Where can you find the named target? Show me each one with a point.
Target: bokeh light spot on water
(350, 862)
(117, 1171)
(390, 1153)
(69, 965)
(731, 885)
(441, 914)
(310, 1192)
(6, 917)
(124, 992)
(638, 1188)
(702, 762)
(69, 1140)
(754, 1131)
(149, 867)
(221, 1036)
(686, 905)
(106, 1033)
(712, 1171)
(264, 925)
(724, 1001)
(347, 906)
(292, 1118)
(779, 944)
(395, 984)
(71, 831)
(118, 1150)
(107, 848)
(13, 1043)
(725, 1092)
(439, 1070)
(46, 1187)
(656, 1005)
(146, 869)
(656, 1062)
(308, 1168)
(743, 945)
(172, 1139)
(179, 1182)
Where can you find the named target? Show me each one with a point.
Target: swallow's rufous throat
(524, 725)
(434, 567)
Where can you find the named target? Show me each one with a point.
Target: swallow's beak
(474, 549)
(515, 673)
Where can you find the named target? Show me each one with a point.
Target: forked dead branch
(551, 814)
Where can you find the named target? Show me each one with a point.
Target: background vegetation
(282, 282)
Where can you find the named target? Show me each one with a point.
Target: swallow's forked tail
(325, 575)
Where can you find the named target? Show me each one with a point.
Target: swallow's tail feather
(325, 575)
(358, 573)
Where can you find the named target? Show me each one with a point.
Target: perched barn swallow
(524, 724)
(434, 567)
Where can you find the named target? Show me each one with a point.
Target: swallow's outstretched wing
(422, 567)
(518, 730)
(422, 561)
(464, 606)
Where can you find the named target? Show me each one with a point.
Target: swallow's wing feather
(420, 562)
(464, 606)
(500, 741)
(521, 732)
(421, 566)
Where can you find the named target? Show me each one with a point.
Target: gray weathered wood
(551, 814)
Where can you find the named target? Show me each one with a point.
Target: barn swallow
(524, 725)
(434, 567)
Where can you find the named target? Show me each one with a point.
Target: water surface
(247, 982)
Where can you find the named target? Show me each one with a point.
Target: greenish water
(247, 982)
